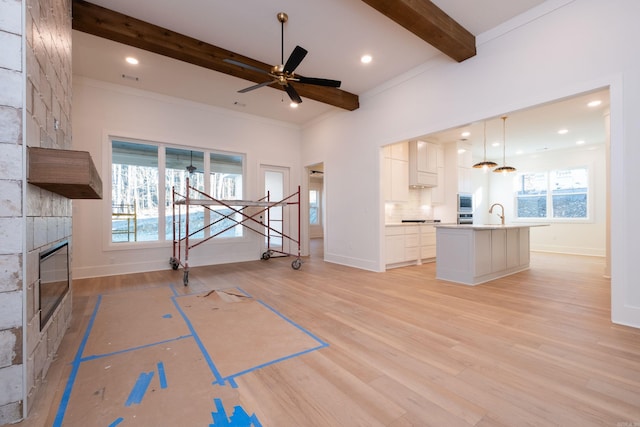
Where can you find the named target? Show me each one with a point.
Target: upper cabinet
(395, 179)
(438, 192)
(465, 168)
(423, 164)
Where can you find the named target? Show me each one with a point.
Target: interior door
(275, 183)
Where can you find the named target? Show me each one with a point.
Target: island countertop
(491, 226)
(473, 254)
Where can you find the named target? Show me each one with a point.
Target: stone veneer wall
(35, 110)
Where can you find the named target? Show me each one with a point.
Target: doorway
(275, 184)
(316, 196)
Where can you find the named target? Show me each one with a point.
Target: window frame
(164, 205)
(549, 218)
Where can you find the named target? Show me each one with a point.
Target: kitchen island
(474, 254)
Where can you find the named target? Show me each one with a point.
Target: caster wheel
(185, 278)
(296, 264)
(266, 255)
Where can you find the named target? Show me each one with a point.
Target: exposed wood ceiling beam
(106, 23)
(431, 24)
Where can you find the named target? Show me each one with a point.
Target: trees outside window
(561, 194)
(141, 207)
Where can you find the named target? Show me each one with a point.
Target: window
(141, 207)
(176, 163)
(134, 192)
(225, 181)
(558, 194)
(314, 207)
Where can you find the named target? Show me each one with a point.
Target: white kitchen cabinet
(482, 242)
(427, 242)
(423, 164)
(394, 249)
(476, 254)
(465, 177)
(465, 168)
(437, 192)
(498, 250)
(514, 247)
(395, 180)
(409, 245)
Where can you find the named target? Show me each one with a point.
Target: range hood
(69, 173)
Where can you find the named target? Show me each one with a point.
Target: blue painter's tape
(116, 422)
(203, 350)
(220, 415)
(161, 375)
(231, 378)
(167, 316)
(322, 343)
(127, 350)
(75, 365)
(139, 389)
(240, 418)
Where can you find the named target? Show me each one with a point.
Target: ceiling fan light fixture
(504, 169)
(485, 165)
(283, 73)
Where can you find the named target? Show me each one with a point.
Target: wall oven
(465, 208)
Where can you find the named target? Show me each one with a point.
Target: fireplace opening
(54, 279)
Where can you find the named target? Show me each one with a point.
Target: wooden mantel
(69, 173)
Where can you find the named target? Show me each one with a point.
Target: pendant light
(504, 169)
(485, 165)
(191, 168)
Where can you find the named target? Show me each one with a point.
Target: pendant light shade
(191, 168)
(504, 168)
(485, 165)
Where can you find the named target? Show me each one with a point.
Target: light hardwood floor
(535, 348)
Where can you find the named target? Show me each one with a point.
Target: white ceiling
(335, 32)
(535, 130)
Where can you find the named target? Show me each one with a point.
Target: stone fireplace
(53, 280)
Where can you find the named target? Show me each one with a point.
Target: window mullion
(162, 183)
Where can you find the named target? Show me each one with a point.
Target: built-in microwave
(465, 202)
(465, 208)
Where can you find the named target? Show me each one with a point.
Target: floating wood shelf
(69, 173)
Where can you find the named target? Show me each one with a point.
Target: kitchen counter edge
(489, 226)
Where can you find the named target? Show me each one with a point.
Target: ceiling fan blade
(247, 89)
(293, 94)
(243, 65)
(295, 59)
(317, 81)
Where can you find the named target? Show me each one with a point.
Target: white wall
(102, 109)
(582, 238)
(544, 55)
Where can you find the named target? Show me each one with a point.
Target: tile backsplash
(418, 207)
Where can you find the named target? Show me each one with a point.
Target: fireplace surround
(53, 279)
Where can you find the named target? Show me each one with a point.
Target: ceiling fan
(283, 74)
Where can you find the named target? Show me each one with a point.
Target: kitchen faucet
(501, 216)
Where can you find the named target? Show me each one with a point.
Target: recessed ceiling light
(365, 59)
(594, 103)
(495, 144)
(563, 131)
(131, 60)
(461, 150)
(580, 142)
(293, 105)
(465, 134)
